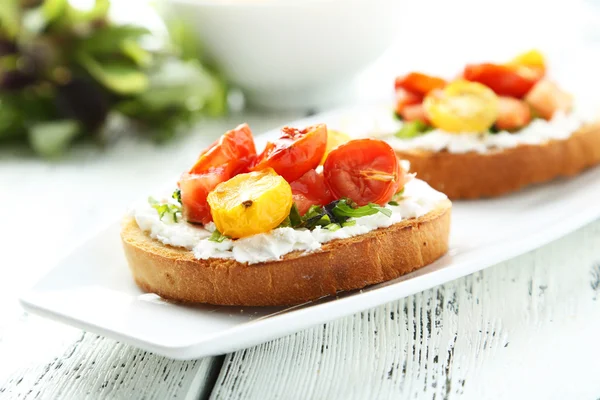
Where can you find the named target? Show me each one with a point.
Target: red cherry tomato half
(505, 80)
(364, 170)
(234, 150)
(295, 152)
(309, 190)
(194, 190)
(418, 83)
(405, 99)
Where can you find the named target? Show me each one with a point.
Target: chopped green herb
(177, 195)
(295, 218)
(398, 196)
(286, 223)
(171, 210)
(332, 216)
(333, 227)
(313, 211)
(412, 129)
(217, 237)
(342, 209)
(393, 203)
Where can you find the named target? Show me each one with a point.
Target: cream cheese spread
(418, 199)
(382, 125)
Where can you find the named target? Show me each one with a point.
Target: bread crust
(473, 175)
(346, 264)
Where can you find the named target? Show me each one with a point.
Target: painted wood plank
(51, 361)
(72, 199)
(525, 328)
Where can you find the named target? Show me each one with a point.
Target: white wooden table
(525, 328)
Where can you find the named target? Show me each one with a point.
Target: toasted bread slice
(345, 264)
(473, 175)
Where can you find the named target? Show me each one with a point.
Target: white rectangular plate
(93, 290)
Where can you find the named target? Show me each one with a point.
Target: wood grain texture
(516, 330)
(71, 364)
(524, 329)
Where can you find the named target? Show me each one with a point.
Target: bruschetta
(279, 228)
(493, 130)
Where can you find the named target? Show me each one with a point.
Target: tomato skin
(505, 80)
(309, 190)
(418, 83)
(194, 190)
(462, 107)
(512, 114)
(545, 98)
(234, 150)
(405, 98)
(364, 170)
(295, 152)
(415, 112)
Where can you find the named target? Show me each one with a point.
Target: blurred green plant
(64, 72)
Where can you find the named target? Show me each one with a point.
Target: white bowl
(291, 53)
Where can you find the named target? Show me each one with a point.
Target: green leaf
(98, 11)
(177, 195)
(295, 218)
(132, 49)
(412, 129)
(109, 40)
(50, 139)
(52, 9)
(342, 209)
(10, 18)
(119, 77)
(285, 223)
(217, 236)
(398, 196)
(333, 227)
(171, 210)
(183, 39)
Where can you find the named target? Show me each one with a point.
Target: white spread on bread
(382, 125)
(418, 199)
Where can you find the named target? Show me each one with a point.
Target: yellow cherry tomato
(250, 203)
(462, 106)
(334, 139)
(532, 58)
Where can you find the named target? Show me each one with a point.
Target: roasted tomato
(414, 112)
(310, 189)
(234, 151)
(229, 155)
(505, 80)
(418, 83)
(251, 203)
(462, 106)
(512, 114)
(545, 98)
(364, 170)
(194, 191)
(295, 152)
(334, 139)
(405, 98)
